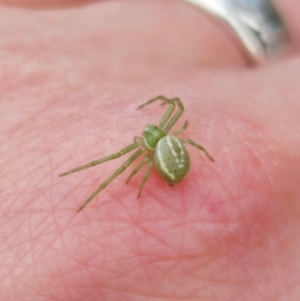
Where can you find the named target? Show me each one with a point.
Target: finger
(167, 31)
(289, 10)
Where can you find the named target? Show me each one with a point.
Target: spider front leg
(180, 130)
(168, 113)
(113, 176)
(176, 116)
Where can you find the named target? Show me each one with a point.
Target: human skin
(71, 80)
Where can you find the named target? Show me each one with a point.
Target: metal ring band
(256, 24)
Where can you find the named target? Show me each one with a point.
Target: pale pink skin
(70, 82)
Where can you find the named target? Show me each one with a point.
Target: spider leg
(176, 116)
(180, 130)
(122, 152)
(137, 169)
(145, 178)
(113, 176)
(199, 147)
(137, 139)
(159, 97)
(168, 113)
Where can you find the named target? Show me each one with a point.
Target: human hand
(71, 80)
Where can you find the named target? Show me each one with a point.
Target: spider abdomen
(171, 159)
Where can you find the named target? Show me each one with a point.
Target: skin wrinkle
(170, 237)
(234, 195)
(111, 282)
(257, 159)
(153, 248)
(159, 241)
(147, 280)
(272, 186)
(167, 273)
(254, 282)
(33, 171)
(123, 290)
(183, 237)
(183, 274)
(217, 217)
(250, 286)
(262, 271)
(162, 268)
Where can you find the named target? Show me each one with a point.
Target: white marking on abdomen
(171, 146)
(181, 153)
(161, 162)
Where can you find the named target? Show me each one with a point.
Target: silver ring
(256, 23)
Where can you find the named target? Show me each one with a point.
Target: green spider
(166, 152)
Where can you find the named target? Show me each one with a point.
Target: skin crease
(71, 80)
